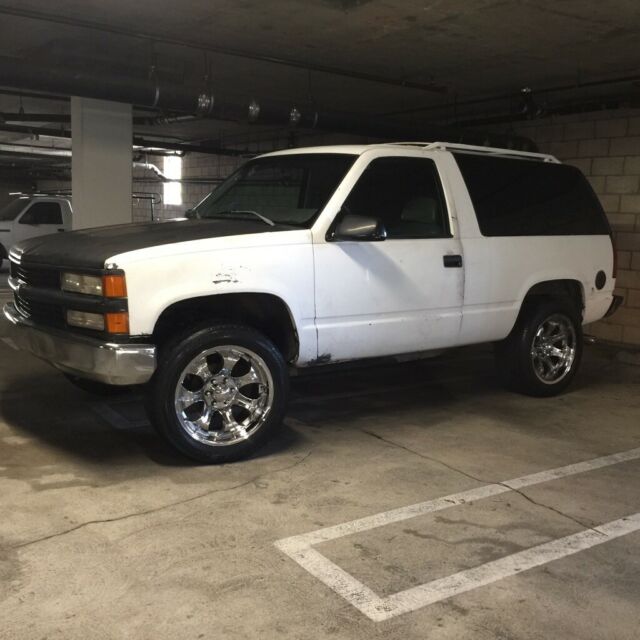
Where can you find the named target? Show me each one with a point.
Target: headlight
(117, 323)
(80, 283)
(110, 286)
(85, 320)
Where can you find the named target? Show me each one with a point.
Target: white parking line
(10, 343)
(300, 548)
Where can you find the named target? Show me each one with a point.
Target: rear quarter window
(515, 197)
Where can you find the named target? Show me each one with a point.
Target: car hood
(90, 248)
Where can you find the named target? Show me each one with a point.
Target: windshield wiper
(264, 219)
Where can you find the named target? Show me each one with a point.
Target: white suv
(322, 255)
(31, 216)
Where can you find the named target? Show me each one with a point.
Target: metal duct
(150, 145)
(156, 94)
(152, 167)
(49, 152)
(32, 150)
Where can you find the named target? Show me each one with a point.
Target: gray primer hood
(90, 248)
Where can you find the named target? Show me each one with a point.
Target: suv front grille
(50, 315)
(41, 277)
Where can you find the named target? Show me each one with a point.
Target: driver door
(41, 218)
(400, 295)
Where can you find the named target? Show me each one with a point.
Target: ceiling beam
(227, 51)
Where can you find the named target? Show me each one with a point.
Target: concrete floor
(105, 533)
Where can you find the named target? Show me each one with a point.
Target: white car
(322, 255)
(30, 216)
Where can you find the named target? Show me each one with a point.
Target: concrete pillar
(101, 161)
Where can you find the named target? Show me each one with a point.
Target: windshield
(287, 190)
(10, 211)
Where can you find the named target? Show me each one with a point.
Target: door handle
(452, 261)
(61, 230)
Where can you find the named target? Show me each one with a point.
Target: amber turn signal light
(114, 287)
(116, 322)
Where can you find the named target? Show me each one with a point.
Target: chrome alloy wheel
(553, 350)
(224, 395)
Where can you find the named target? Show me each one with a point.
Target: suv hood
(90, 248)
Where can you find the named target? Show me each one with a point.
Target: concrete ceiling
(457, 50)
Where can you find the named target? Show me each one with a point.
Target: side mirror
(359, 229)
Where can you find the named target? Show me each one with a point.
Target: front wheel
(542, 355)
(219, 393)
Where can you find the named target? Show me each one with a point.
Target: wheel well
(3, 252)
(563, 289)
(566, 289)
(264, 312)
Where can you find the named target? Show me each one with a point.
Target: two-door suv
(322, 255)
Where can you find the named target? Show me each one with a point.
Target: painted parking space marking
(300, 548)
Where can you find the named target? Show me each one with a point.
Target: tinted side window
(43, 213)
(404, 193)
(530, 198)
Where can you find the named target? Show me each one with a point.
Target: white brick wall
(606, 147)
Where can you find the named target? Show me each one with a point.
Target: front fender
(284, 271)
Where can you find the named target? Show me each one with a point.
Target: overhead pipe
(458, 104)
(75, 82)
(35, 151)
(150, 92)
(144, 143)
(65, 118)
(363, 125)
(152, 167)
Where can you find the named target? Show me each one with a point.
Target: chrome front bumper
(108, 362)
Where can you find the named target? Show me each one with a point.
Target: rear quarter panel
(499, 271)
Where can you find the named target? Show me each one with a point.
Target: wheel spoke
(229, 361)
(199, 368)
(204, 420)
(187, 398)
(250, 404)
(558, 353)
(537, 363)
(251, 377)
(230, 424)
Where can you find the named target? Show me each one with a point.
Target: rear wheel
(219, 393)
(542, 355)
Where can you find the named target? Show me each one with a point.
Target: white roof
(357, 149)
(353, 149)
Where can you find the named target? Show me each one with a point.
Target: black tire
(517, 367)
(173, 360)
(96, 388)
